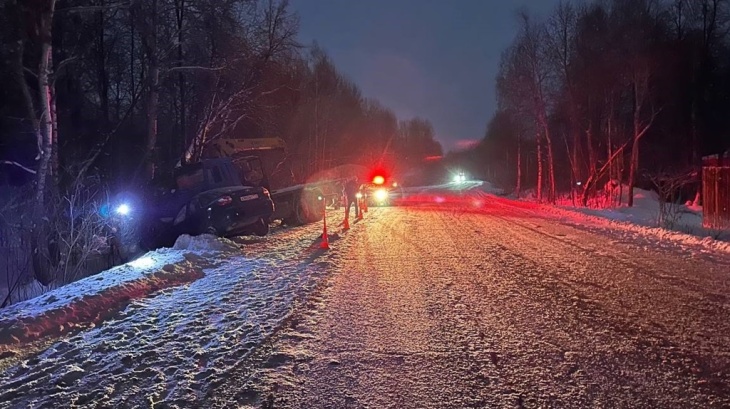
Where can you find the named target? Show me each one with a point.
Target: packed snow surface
(473, 302)
(457, 308)
(177, 346)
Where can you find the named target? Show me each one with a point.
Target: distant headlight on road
(359, 195)
(381, 195)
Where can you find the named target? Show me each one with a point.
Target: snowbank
(684, 226)
(204, 242)
(94, 299)
(487, 187)
(187, 346)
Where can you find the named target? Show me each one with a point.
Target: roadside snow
(205, 242)
(183, 345)
(685, 220)
(93, 285)
(487, 187)
(93, 299)
(644, 212)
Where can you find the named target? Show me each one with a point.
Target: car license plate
(249, 197)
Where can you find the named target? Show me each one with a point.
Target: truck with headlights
(380, 191)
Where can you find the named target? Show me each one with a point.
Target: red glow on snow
(470, 202)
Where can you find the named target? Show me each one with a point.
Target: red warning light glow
(378, 180)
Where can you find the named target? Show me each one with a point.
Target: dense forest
(98, 95)
(627, 91)
(100, 82)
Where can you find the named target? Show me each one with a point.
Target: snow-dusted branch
(13, 163)
(89, 9)
(193, 68)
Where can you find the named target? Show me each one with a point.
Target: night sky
(431, 58)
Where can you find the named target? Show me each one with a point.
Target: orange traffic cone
(325, 245)
(346, 223)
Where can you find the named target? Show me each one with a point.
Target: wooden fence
(716, 197)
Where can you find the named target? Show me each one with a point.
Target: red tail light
(224, 201)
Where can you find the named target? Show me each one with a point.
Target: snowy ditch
(176, 323)
(89, 301)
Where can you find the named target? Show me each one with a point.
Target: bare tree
(644, 114)
(561, 32)
(149, 30)
(668, 185)
(531, 74)
(237, 95)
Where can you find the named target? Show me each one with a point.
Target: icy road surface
(438, 309)
(412, 308)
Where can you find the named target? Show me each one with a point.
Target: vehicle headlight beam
(381, 195)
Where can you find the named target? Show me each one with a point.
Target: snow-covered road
(412, 308)
(500, 308)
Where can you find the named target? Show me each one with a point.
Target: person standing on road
(350, 191)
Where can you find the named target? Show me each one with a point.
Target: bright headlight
(381, 195)
(123, 209)
(359, 195)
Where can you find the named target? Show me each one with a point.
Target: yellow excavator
(257, 159)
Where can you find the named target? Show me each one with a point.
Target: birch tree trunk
(40, 235)
(539, 168)
(551, 165)
(45, 90)
(518, 188)
(633, 166)
(153, 92)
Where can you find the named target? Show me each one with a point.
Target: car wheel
(261, 228)
(302, 208)
(313, 206)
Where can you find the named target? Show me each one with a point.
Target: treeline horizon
(628, 91)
